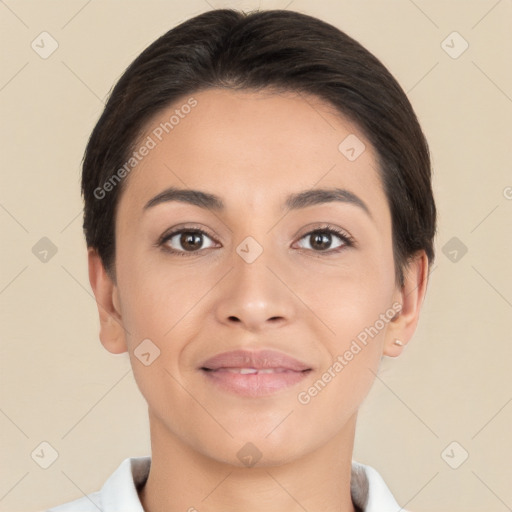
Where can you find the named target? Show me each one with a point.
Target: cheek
(355, 350)
(156, 298)
(160, 307)
(352, 299)
(357, 307)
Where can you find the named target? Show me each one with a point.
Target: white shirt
(119, 492)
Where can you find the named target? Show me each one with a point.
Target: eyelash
(345, 238)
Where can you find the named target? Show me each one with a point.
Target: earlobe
(112, 332)
(401, 328)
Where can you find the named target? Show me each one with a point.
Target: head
(278, 134)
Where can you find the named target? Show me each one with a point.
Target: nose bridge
(252, 294)
(253, 279)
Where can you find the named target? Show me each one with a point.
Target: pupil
(323, 241)
(190, 240)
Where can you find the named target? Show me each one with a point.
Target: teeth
(252, 371)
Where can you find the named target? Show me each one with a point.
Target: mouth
(254, 374)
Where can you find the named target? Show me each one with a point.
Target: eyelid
(326, 226)
(175, 230)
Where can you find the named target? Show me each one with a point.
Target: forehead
(253, 148)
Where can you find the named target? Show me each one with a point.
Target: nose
(255, 294)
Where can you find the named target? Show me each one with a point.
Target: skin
(253, 149)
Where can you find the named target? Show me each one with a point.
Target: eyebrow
(294, 201)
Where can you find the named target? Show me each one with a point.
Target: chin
(253, 455)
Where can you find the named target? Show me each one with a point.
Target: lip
(254, 373)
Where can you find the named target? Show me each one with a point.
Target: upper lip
(260, 359)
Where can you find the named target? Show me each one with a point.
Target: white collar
(119, 492)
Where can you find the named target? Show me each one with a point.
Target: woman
(260, 220)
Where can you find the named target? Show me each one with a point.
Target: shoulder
(369, 491)
(119, 492)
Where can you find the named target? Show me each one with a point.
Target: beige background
(452, 383)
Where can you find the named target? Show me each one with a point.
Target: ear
(112, 331)
(410, 296)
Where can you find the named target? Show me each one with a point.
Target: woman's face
(265, 276)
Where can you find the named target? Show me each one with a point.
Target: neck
(182, 479)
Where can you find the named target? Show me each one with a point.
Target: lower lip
(255, 384)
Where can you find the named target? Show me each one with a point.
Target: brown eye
(324, 240)
(190, 241)
(320, 240)
(186, 240)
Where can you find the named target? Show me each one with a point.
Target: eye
(185, 241)
(321, 240)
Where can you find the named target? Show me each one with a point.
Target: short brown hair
(269, 49)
